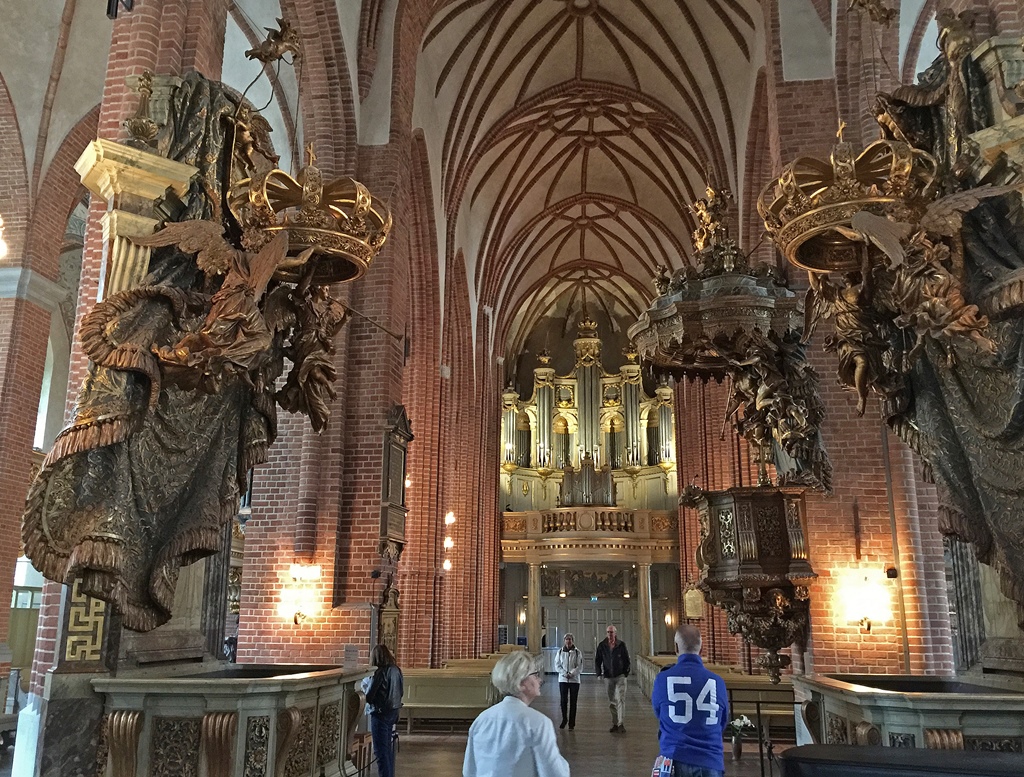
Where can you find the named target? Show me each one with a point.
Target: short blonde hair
(511, 670)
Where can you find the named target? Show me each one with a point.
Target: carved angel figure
(932, 302)
(278, 43)
(858, 339)
(309, 388)
(948, 104)
(234, 337)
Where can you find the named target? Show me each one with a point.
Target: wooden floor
(590, 749)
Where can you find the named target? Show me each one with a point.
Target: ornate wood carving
(944, 738)
(327, 734)
(123, 730)
(897, 739)
(995, 744)
(288, 723)
(753, 563)
(257, 746)
(836, 730)
(300, 756)
(867, 733)
(218, 741)
(397, 437)
(174, 751)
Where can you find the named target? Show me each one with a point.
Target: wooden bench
(747, 693)
(446, 694)
(474, 665)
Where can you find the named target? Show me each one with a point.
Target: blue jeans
(381, 725)
(682, 770)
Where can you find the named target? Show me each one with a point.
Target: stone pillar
(533, 628)
(130, 181)
(646, 646)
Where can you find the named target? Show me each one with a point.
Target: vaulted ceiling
(572, 135)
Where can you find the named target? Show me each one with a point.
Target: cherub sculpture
(278, 43)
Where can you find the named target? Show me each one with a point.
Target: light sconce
(447, 565)
(299, 598)
(408, 483)
(449, 543)
(561, 594)
(668, 619)
(522, 617)
(864, 602)
(625, 595)
(3, 243)
(449, 518)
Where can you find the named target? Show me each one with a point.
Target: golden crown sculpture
(811, 198)
(346, 224)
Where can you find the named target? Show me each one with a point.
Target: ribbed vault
(573, 136)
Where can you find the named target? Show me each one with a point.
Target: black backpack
(379, 693)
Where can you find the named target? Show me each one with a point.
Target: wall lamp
(865, 602)
(299, 598)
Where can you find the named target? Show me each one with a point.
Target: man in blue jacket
(692, 708)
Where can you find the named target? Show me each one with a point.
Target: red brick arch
(61, 190)
(14, 192)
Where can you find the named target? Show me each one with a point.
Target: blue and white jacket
(692, 706)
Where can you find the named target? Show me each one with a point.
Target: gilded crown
(811, 198)
(340, 218)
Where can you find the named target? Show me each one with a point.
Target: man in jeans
(692, 708)
(612, 663)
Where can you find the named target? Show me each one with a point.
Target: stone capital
(110, 169)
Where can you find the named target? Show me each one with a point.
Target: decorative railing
(237, 721)
(589, 521)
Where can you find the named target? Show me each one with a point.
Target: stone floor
(590, 749)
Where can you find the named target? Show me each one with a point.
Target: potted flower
(735, 729)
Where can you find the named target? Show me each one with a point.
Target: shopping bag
(662, 767)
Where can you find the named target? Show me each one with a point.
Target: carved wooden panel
(836, 730)
(300, 759)
(898, 739)
(175, 747)
(257, 746)
(328, 734)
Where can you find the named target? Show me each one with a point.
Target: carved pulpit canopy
(753, 563)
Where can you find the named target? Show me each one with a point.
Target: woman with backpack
(383, 692)
(569, 665)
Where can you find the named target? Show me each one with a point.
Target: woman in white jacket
(509, 739)
(569, 665)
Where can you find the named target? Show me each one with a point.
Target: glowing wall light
(864, 600)
(300, 598)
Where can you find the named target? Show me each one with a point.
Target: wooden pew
(446, 694)
(747, 693)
